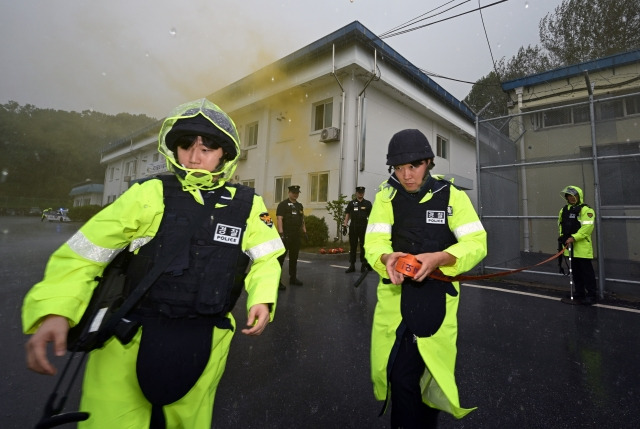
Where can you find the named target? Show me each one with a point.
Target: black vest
(569, 223)
(419, 228)
(206, 277)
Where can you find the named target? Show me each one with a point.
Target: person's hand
(257, 320)
(569, 241)
(344, 230)
(432, 261)
(52, 330)
(389, 260)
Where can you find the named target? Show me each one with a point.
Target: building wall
(282, 103)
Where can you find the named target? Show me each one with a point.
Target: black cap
(294, 188)
(199, 126)
(407, 146)
(359, 188)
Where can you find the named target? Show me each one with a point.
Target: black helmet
(407, 146)
(201, 126)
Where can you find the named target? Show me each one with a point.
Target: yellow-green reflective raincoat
(438, 351)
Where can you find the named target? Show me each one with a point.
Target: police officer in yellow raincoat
(576, 222)
(168, 374)
(413, 340)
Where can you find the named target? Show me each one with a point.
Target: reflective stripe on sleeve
(468, 228)
(587, 222)
(265, 248)
(85, 248)
(379, 227)
(138, 243)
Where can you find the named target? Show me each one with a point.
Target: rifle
(362, 277)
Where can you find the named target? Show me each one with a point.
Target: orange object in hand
(408, 265)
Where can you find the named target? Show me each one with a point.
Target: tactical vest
(206, 277)
(569, 222)
(421, 228)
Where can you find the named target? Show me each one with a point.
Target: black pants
(584, 278)
(356, 234)
(407, 409)
(292, 247)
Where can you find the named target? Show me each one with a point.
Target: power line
(401, 29)
(418, 18)
(397, 33)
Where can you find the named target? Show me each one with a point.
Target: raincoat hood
(572, 190)
(204, 118)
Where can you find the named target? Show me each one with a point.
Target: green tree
(577, 31)
(336, 210)
(583, 30)
(45, 152)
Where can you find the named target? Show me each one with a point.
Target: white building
(321, 118)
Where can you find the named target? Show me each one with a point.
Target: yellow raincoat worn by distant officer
(439, 389)
(111, 393)
(582, 246)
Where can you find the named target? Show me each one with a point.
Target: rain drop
(173, 32)
(623, 19)
(526, 5)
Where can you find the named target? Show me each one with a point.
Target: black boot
(281, 286)
(351, 268)
(295, 281)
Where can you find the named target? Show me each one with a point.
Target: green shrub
(317, 230)
(84, 213)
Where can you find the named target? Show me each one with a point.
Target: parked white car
(59, 215)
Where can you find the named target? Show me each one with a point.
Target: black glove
(344, 230)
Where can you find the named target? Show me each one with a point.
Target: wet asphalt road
(525, 359)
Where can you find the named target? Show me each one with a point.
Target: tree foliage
(577, 31)
(582, 30)
(45, 152)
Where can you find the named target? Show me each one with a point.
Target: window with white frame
(251, 135)
(322, 114)
(110, 174)
(250, 183)
(282, 188)
(130, 168)
(442, 147)
(319, 192)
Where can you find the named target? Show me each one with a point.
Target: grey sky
(147, 56)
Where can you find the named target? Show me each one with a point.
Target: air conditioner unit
(330, 134)
(243, 154)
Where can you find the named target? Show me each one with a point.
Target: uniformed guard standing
(290, 216)
(575, 226)
(415, 326)
(357, 212)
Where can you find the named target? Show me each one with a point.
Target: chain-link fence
(525, 160)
